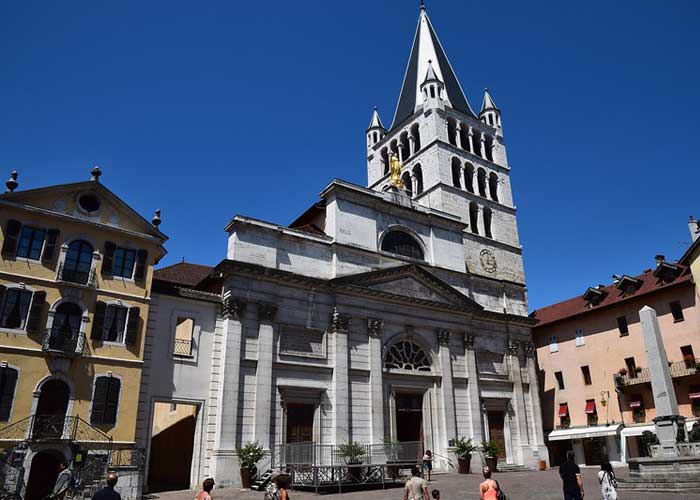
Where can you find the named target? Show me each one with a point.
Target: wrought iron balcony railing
(130, 457)
(49, 428)
(56, 341)
(643, 375)
(182, 348)
(78, 276)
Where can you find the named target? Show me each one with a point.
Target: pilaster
(375, 330)
(448, 395)
(263, 373)
(341, 386)
(538, 433)
(474, 410)
(518, 400)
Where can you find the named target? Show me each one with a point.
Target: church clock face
(488, 260)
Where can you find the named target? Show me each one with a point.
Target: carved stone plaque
(299, 341)
(488, 260)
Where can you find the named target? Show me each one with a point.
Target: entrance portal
(42, 475)
(409, 417)
(51, 410)
(496, 423)
(300, 423)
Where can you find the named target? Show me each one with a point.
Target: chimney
(616, 278)
(660, 259)
(694, 226)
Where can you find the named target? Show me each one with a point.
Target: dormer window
(666, 272)
(594, 296)
(628, 285)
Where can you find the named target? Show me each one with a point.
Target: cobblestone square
(517, 485)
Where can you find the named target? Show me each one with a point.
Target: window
(586, 372)
(622, 326)
(173, 407)
(688, 356)
(631, 367)
(488, 216)
(119, 261)
(591, 412)
(677, 311)
(31, 242)
(418, 174)
(553, 345)
(8, 381)
(15, 308)
(560, 380)
(105, 401)
(183, 337)
(636, 404)
(474, 217)
(564, 417)
(580, 339)
(406, 356)
(78, 263)
(89, 202)
(402, 243)
(694, 396)
(115, 323)
(66, 327)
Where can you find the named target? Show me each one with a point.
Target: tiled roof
(576, 305)
(183, 273)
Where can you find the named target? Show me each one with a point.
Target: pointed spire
(430, 75)
(426, 47)
(375, 122)
(487, 103)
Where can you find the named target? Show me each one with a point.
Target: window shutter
(99, 400)
(132, 325)
(49, 254)
(2, 295)
(8, 380)
(36, 313)
(112, 403)
(12, 230)
(108, 258)
(98, 320)
(141, 258)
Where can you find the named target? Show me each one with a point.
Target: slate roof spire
(375, 122)
(487, 103)
(426, 47)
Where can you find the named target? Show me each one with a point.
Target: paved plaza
(518, 486)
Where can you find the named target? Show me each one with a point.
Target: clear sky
(211, 109)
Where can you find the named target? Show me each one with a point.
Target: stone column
(375, 329)
(480, 220)
(341, 385)
(529, 349)
(263, 374)
(414, 184)
(482, 146)
(224, 461)
(458, 138)
(401, 146)
(448, 395)
(412, 144)
(474, 411)
(518, 400)
(471, 140)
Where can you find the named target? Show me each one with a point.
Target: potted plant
(392, 457)
(689, 361)
(463, 449)
(353, 452)
(248, 457)
(637, 370)
(490, 449)
(622, 371)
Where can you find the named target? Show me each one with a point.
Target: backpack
(501, 495)
(272, 492)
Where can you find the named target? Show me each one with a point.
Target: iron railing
(11, 481)
(339, 455)
(47, 428)
(127, 458)
(643, 375)
(77, 276)
(57, 341)
(182, 347)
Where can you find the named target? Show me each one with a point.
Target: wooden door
(300, 423)
(496, 423)
(409, 417)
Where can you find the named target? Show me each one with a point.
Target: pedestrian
(608, 481)
(63, 482)
(571, 478)
(436, 494)
(282, 487)
(694, 434)
(416, 487)
(207, 486)
(108, 493)
(488, 490)
(427, 464)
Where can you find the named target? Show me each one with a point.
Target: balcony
(53, 428)
(78, 276)
(69, 345)
(182, 348)
(643, 375)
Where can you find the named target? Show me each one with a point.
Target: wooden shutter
(141, 258)
(99, 400)
(8, 380)
(36, 313)
(133, 325)
(12, 230)
(49, 254)
(112, 401)
(98, 320)
(108, 258)
(2, 296)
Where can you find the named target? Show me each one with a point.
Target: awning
(563, 410)
(694, 395)
(590, 407)
(584, 432)
(637, 430)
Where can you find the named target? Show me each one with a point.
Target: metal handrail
(182, 347)
(53, 428)
(330, 454)
(643, 375)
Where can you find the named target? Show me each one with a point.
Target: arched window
(469, 177)
(394, 146)
(474, 218)
(493, 186)
(105, 401)
(78, 263)
(407, 183)
(488, 215)
(481, 181)
(404, 145)
(66, 327)
(488, 147)
(402, 243)
(406, 355)
(464, 136)
(415, 132)
(456, 172)
(451, 131)
(385, 160)
(476, 140)
(418, 174)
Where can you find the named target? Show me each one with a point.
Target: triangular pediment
(412, 283)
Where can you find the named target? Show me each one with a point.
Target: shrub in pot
(352, 454)
(490, 449)
(464, 448)
(392, 457)
(248, 457)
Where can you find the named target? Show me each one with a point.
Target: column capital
(375, 327)
(469, 341)
(339, 321)
(529, 349)
(232, 308)
(443, 337)
(266, 311)
(513, 347)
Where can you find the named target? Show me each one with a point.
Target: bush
(464, 447)
(490, 449)
(352, 451)
(250, 455)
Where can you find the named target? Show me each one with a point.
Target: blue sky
(211, 109)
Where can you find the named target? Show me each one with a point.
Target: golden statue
(395, 167)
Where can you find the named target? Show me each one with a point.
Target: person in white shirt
(416, 487)
(608, 482)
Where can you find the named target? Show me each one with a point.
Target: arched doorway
(51, 410)
(42, 474)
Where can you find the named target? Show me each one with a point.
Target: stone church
(393, 311)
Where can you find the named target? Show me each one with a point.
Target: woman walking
(608, 482)
(427, 464)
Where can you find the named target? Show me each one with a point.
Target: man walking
(416, 487)
(63, 482)
(108, 493)
(571, 478)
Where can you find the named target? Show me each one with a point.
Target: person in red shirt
(207, 486)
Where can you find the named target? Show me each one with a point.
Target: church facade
(393, 311)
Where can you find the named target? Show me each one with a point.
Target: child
(436, 494)
(427, 464)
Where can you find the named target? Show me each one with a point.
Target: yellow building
(690, 257)
(75, 276)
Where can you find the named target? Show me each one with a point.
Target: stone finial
(513, 347)
(156, 218)
(375, 327)
(529, 349)
(96, 173)
(12, 182)
(443, 337)
(660, 259)
(339, 321)
(232, 308)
